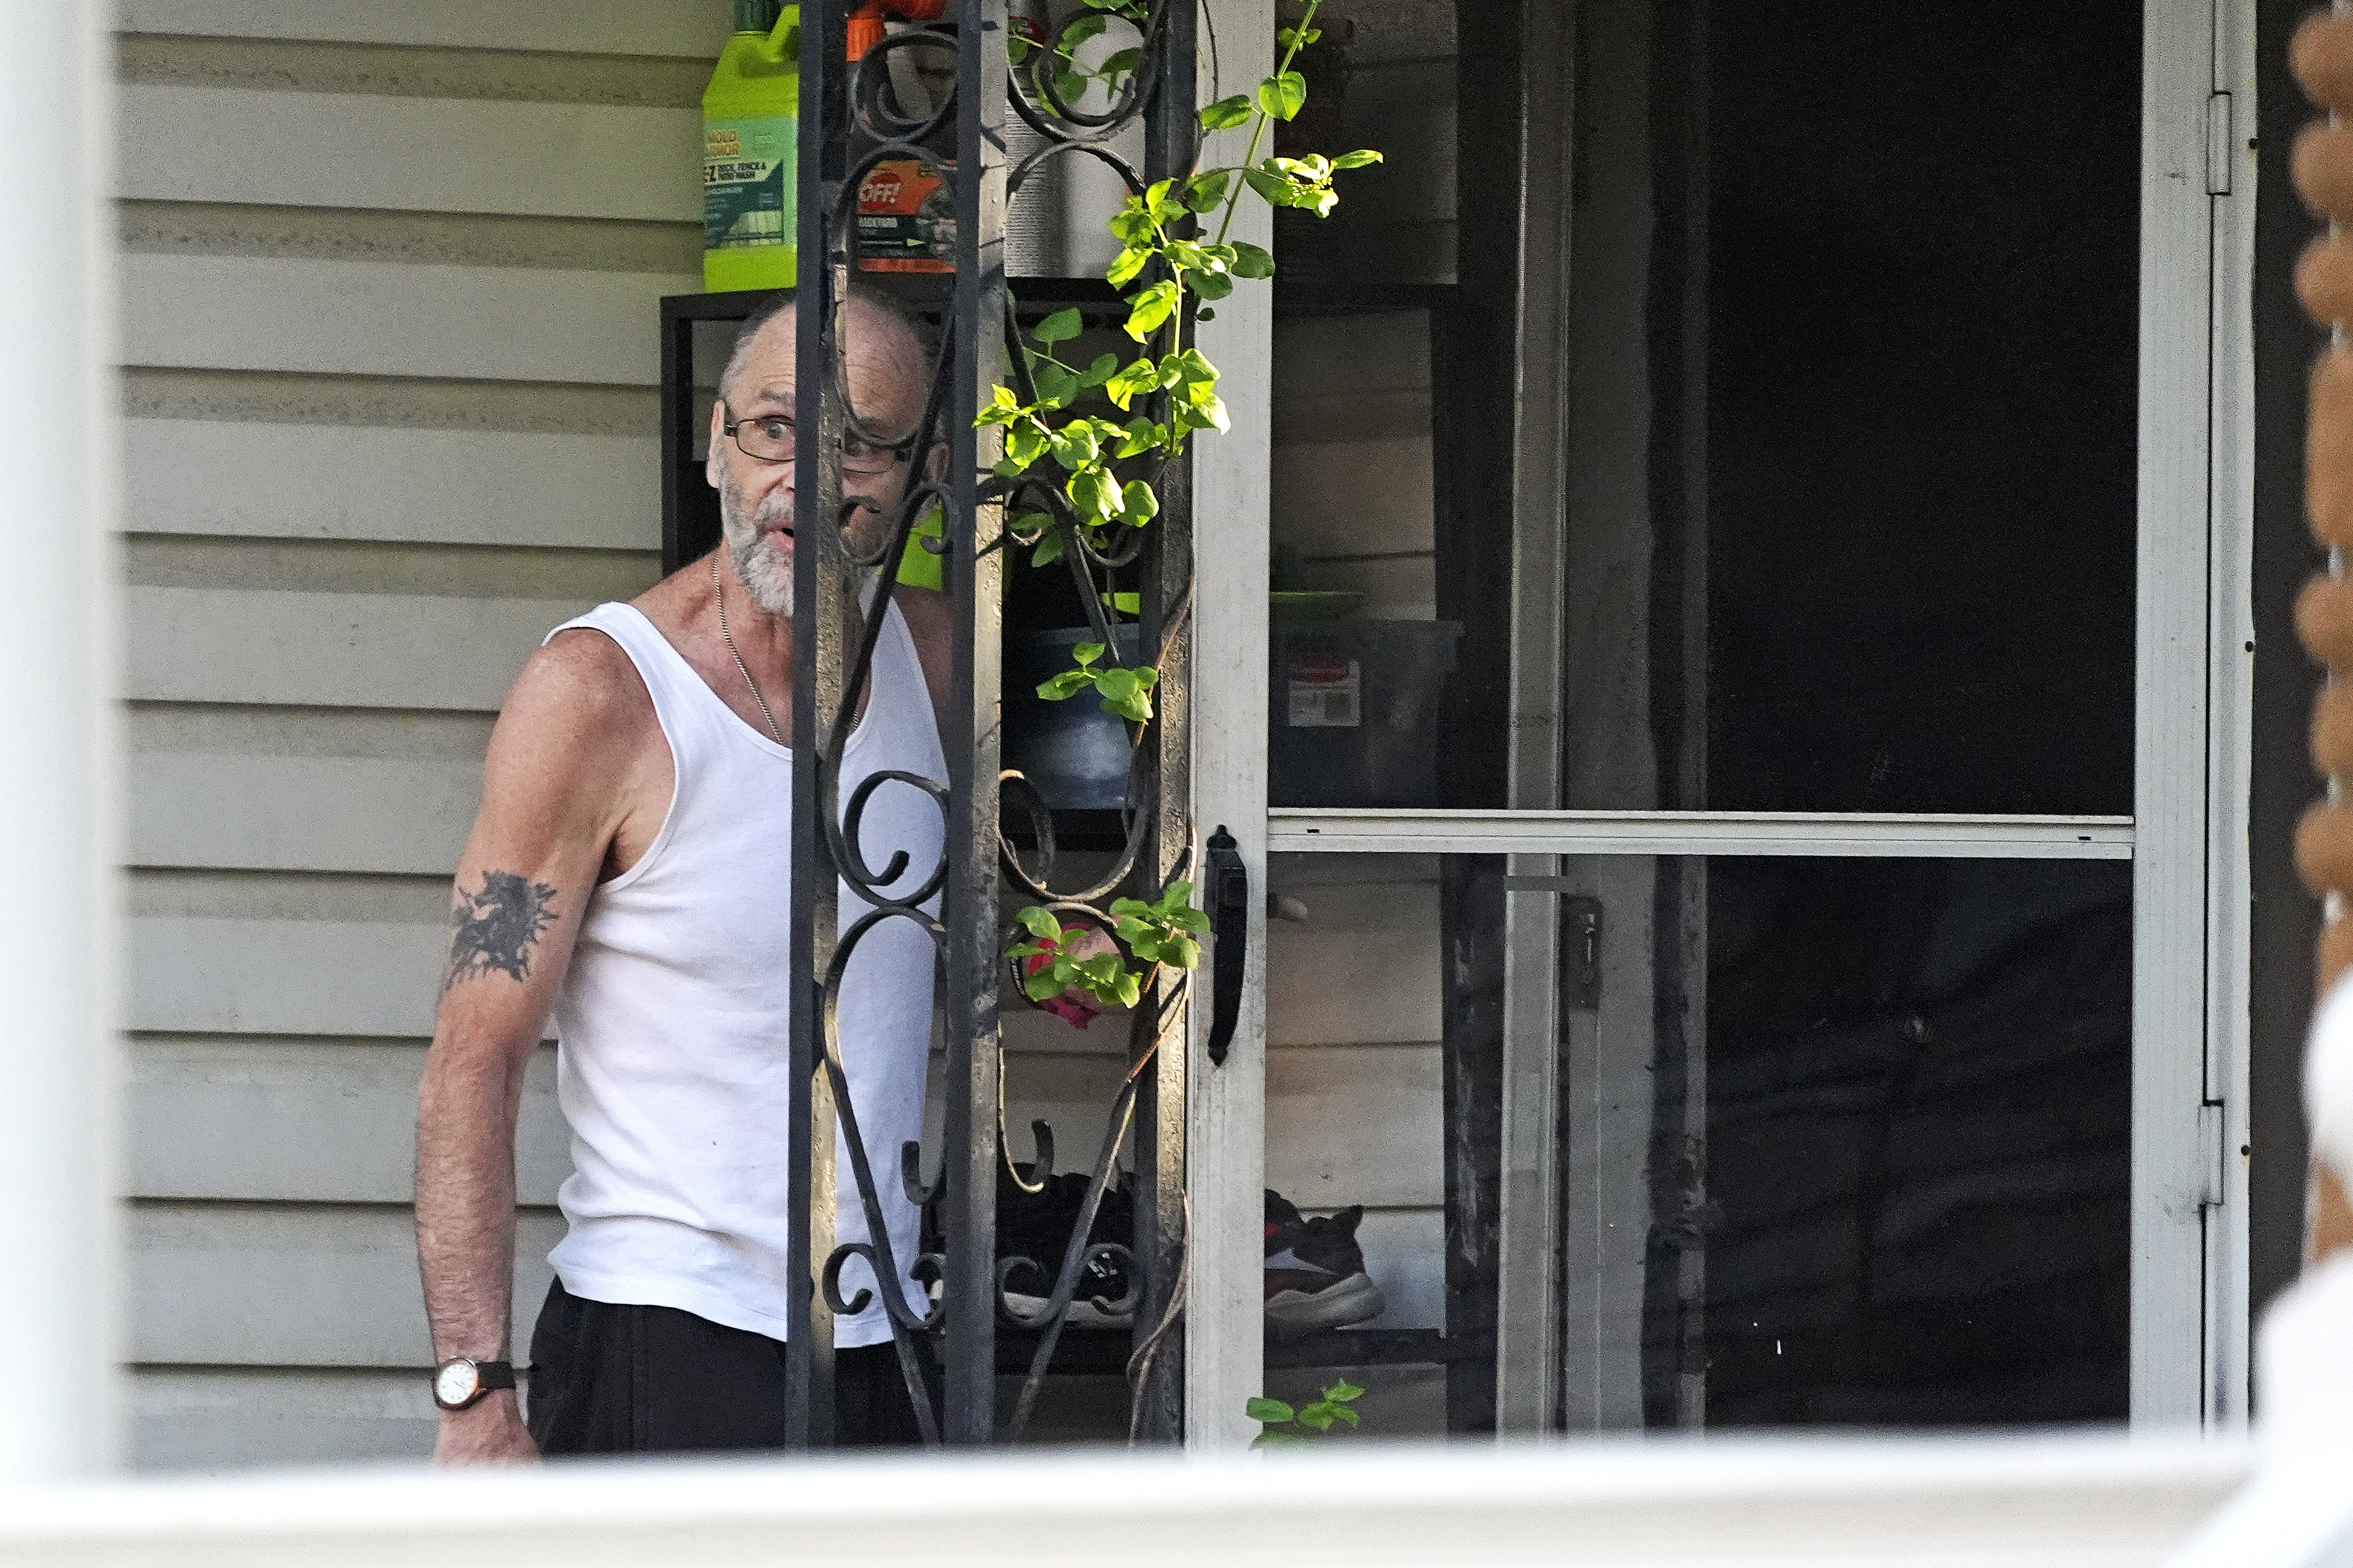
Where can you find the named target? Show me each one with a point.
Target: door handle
(1229, 903)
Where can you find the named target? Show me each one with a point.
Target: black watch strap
(482, 1377)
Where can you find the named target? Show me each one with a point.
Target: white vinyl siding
(389, 344)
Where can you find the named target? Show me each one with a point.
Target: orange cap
(865, 32)
(865, 28)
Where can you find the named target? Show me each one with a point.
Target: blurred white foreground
(1867, 1499)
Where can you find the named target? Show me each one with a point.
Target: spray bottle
(751, 125)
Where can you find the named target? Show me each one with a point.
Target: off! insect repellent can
(751, 127)
(906, 216)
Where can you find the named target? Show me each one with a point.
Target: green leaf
(1149, 308)
(1357, 160)
(1136, 710)
(1352, 1416)
(1102, 369)
(1082, 30)
(1074, 445)
(1276, 1438)
(1056, 386)
(1119, 64)
(1070, 87)
(1272, 186)
(1095, 493)
(1262, 1409)
(1181, 951)
(1316, 1418)
(1063, 686)
(1187, 920)
(1127, 265)
(1212, 285)
(1023, 445)
(1211, 411)
(1123, 388)
(1117, 686)
(1205, 191)
(1049, 551)
(1250, 261)
(1086, 653)
(1059, 327)
(1040, 922)
(1126, 603)
(1282, 95)
(1138, 504)
(1344, 1392)
(1042, 986)
(1226, 113)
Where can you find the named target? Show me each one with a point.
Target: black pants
(609, 1379)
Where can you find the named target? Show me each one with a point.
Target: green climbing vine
(1175, 274)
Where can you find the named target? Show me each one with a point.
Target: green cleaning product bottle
(751, 125)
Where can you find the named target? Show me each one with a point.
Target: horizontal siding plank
(1363, 970)
(1338, 356)
(315, 1122)
(590, 27)
(331, 1121)
(440, 487)
(214, 1419)
(409, 155)
(302, 814)
(333, 650)
(264, 1285)
(284, 976)
(1355, 1124)
(1355, 498)
(368, 318)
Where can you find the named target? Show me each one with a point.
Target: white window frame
(2188, 837)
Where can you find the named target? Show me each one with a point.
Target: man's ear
(711, 459)
(936, 464)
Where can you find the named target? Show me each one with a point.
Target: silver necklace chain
(741, 668)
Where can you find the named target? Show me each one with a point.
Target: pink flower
(1075, 1014)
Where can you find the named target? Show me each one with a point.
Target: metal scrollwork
(854, 121)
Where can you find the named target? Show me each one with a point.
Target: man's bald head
(875, 326)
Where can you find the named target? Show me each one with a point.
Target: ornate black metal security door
(853, 120)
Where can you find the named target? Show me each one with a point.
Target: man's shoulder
(580, 679)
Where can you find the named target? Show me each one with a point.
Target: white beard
(767, 572)
(762, 567)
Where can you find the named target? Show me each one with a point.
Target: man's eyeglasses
(769, 439)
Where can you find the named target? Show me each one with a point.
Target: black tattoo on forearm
(493, 930)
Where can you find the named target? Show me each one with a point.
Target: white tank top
(672, 1022)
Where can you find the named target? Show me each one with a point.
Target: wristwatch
(460, 1383)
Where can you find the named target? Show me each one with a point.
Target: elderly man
(630, 874)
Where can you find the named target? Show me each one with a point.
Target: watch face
(454, 1383)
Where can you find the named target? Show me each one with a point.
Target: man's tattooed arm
(493, 929)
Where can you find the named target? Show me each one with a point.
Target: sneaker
(1316, 1277)
(1033, 1229)
(1101, 1301)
